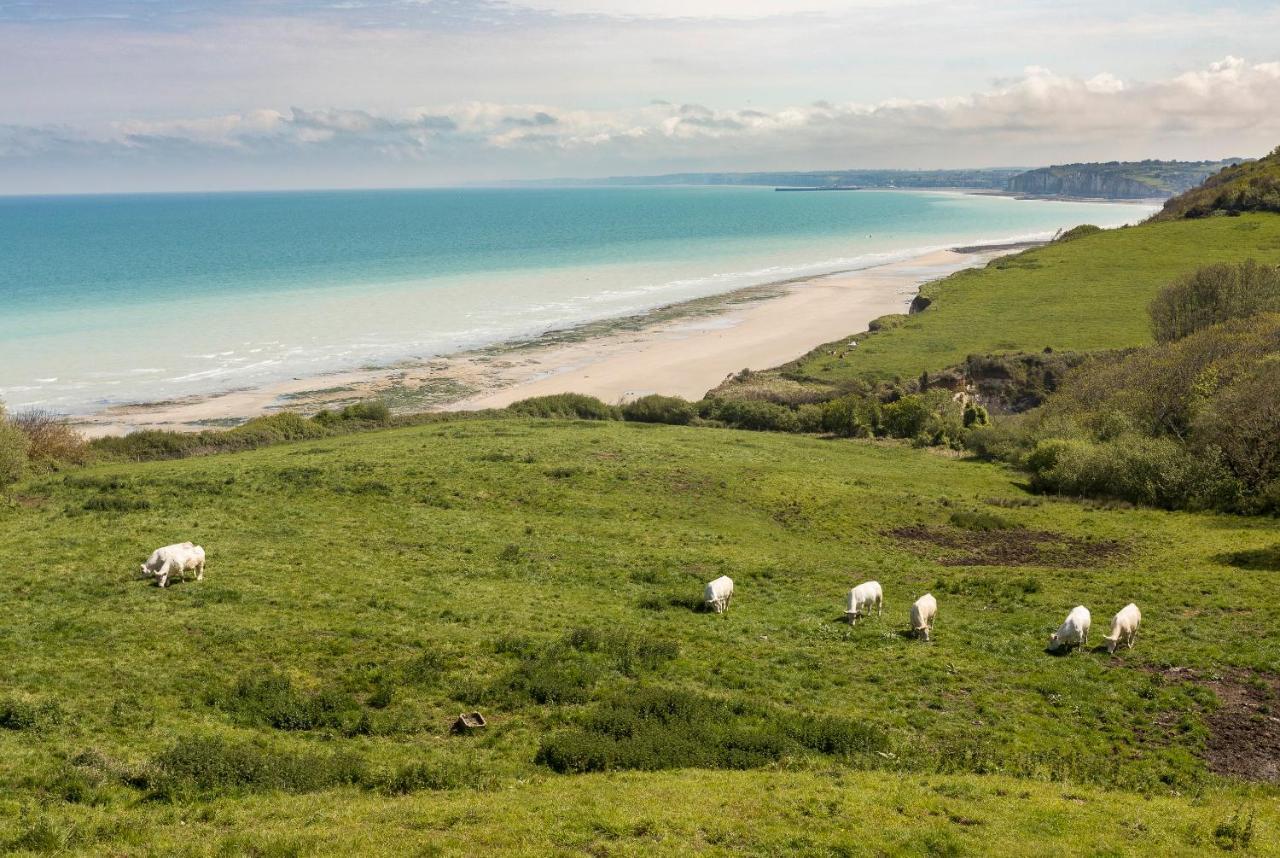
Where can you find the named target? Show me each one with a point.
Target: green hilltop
(1252, 186)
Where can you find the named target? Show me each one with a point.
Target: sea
(111, 300)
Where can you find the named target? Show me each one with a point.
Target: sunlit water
(107, 300)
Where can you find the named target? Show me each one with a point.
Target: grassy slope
(1251, 186)
(1090, 293)
(344, 559)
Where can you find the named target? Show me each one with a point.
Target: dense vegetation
(1214, 294)
(1194, 422)
(1253, 186)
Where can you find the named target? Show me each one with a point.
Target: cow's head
(1053, 641)
(145, 570)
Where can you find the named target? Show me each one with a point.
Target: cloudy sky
(107, 95)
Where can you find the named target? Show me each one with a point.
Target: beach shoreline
(682, 349)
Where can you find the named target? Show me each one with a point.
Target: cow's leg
(200, 572)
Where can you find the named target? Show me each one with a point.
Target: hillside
(1118, 180)
(363, 590)
(1079, 295)
(1248, 187)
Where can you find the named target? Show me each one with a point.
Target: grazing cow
(1074, 631)
(863, 596)
(718, 594)
(178, 558)
(1124, 627)
(923, 612)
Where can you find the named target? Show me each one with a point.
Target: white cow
(179, 558)
(1074, 631)
(718, 594)
(1124, 627)
(863, 596)
(923, 612)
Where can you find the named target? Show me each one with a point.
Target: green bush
(372, 411)
(51, 440)
(1241, 423)
(650, 728)
(564, 406)
(25, 715)
(148, 445)
(270, 699)
(1080, 231)
(438, 775)
(1213, 294)
(756, 415)
(1151, 471)
(852, 416)
(209, 764)
(905, 418)
(659, 409)
(13, 451)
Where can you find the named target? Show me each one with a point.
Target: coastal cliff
(1116, 180)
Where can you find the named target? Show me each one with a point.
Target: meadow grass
(363, 590)
(1080, 295)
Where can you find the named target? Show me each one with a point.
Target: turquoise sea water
(113, 299)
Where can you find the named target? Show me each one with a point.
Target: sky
(152, 95)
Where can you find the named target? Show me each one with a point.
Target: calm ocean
(115, 299)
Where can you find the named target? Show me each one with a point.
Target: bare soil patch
(1013, 547)
(1244, 731)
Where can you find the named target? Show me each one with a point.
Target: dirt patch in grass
(1244, 731)
(1014, 547)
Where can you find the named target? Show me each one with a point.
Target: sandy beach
(683, 349)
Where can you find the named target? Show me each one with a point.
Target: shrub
(147, 445)
(1080, 231)
(1242, 424)
(564, 406)
(555, 678)
(1152, 471)
(852, 416)
(270, 699)
(659, 409)
(438, 775)
(905, 418)
(756, 415)
(213, 764)
(24, 715)
(50, 439)
(13, 451)
(370, 411)
(1213, 294)
(974, 415)
(115, 503)
(650, 728)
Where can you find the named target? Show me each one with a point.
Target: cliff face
(1083, 183)
(1116, 180)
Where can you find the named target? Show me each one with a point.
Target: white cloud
(1037, 107)
(1226, 108)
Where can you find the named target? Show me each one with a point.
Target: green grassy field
(1090, 293)
(546, 573)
